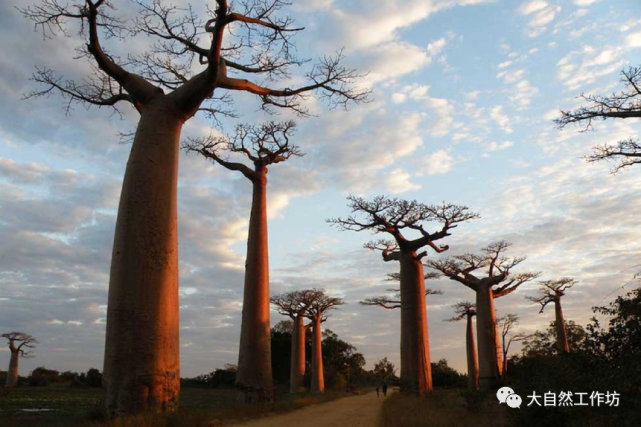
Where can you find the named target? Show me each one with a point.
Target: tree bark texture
(141, 366)
(561, 333)
(297, 369)
(489, 349)
(416, 369)
(318, 377)
(472, 361)
(254, 377)
(12, 373)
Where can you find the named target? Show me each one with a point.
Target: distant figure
(377, 388)
(384, 389)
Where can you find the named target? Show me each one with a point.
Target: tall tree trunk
(297, 370)
(561, 334)
(472, 361)
(254, 377)
(12, 373)
(488, 338)
(318, 377)
(141, 366)
(416, 369)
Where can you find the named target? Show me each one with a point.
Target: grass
(444, 408)
(79, 408)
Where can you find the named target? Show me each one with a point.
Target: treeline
(41, 377)
(603, 359)
(343, 366)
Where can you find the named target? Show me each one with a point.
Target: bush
(42, 376)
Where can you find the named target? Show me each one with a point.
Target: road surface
(354, 411)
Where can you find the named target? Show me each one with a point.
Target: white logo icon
(503, 393)
(514, 401)
(507, 395)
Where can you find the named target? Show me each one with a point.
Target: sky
(463, 97)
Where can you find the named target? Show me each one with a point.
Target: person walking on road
(378, 386)
(384, 389)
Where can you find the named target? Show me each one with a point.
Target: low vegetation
(444, 408)
(57, 406)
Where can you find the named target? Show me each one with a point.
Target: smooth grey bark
(318, 376)
(472, 361)
(561, 333)
(12, 373)
(142, 366)
(416, 369)
(489, 349)
(297, 367)
(254, 377)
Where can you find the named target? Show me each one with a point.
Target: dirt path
(356, 411)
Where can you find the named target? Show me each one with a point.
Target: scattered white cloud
(496, 146)
(439, 162)
(398, 181)
(633, 40)
(584, 66)
(498, 115)
(585, 2)
(540, 14)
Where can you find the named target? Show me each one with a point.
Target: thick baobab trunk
(297, 369)
(488, 338)
(561, 334)
(318, 377)
(12, 374)
(416, 369)
(141, 367)
(254, 377)
(472, 361)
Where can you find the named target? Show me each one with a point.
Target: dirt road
(356, 411)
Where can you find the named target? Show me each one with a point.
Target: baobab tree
(496, 271)
(622, 105)
(191, 56)
(467, 310)
(295, 305)
(507, 324)
(393, 301)
(263, 146)
(396, 217)
(20, 345)
(318, 312)
(551, 291)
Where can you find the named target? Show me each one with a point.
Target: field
(75, 407)
(444, 408)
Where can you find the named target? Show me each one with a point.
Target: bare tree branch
(624, 104)
(552, 291)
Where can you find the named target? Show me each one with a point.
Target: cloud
(585, 2)
(540, 14)
(532, 6)
(439, 162)
(633, 40)
(520, 91)
(499, 116)
(495, 146)
(398, 181)
(584, 66)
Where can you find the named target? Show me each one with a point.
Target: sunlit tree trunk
(318, 377)
(472, 361)
(416, 370)
(254, 377)
(141, 365)
(12, 373)
(489, 349)
(297, 370)
(561, 334)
